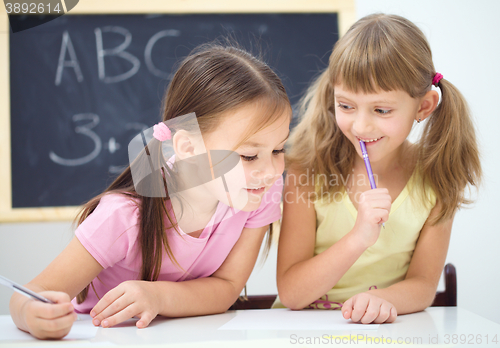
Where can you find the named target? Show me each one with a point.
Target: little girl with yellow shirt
(333, 252)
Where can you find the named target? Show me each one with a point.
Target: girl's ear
(183, 144)
(427, 105)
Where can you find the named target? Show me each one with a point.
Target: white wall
(26, 249)
(466, 46)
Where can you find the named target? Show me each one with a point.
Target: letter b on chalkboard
(17, 11)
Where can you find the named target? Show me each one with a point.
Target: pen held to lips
(368, 167)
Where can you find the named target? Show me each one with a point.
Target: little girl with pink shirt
(182, 239)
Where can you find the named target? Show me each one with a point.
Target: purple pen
(368, 166)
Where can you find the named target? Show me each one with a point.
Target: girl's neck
(198, 207)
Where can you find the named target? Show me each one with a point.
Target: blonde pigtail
(449, 156)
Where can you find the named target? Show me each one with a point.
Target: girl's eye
(253, 158)
(248, 158)
(383, 111)
(344, 106)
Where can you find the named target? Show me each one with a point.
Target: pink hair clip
(161, 132)
(436, 79)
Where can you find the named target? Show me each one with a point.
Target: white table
(433, 327)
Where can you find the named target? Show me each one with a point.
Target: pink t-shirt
(110, 235)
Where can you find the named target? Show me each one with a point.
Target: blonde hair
(387, 52)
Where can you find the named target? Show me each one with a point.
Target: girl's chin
(251, 206)
(252, 201)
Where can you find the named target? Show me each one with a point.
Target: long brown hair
(214, 79)
(387, 52)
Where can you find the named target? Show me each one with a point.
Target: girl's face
(262, 156)
(383, 120)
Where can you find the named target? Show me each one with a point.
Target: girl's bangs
(270, 110)
(370, 63)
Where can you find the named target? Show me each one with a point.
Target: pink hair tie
(161, 132)
(436, 79)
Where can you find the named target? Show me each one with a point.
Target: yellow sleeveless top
(384, 263)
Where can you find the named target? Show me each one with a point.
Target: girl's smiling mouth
(368, 141)
(256, 191)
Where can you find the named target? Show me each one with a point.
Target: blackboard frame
(345, 10)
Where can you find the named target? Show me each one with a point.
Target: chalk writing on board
(137, 126)
(67, 45)
(119, 51)
(112, 145)
(86, 65)
(149, 48)
(116, 51)
(85, 129)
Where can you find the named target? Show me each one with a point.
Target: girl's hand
(129, 299)
(49, 321)
(368, 308)
(373, 210)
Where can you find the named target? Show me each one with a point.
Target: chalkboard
(81, 86)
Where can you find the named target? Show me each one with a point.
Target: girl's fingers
(122, 303)
(56, 296)
(385, 313)
(347, 309)
(376, 193)
(50, 321)
(49, 311)
(118, 306)
(144, 320)
(380, 215)
(109, 299)
(366, 308)
(381, 203)
(119, 317)
(55, 328)
(393, 316)
(376, 204)
(359, 308)
(372, 312)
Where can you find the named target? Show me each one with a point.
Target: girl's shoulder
(115, 208)
(420, 189)
(110, 232)
(120, 200)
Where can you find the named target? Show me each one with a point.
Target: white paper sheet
(286, 319)
(81, 330)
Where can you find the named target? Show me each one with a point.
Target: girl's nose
(267, 171)
(362, 124)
